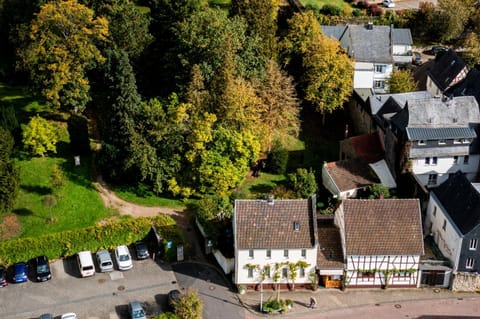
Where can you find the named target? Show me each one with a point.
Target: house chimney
(270, 200)
(382, 196)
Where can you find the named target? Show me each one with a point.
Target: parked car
(3, 277)
(388, 3)
(135, 310)
(104, 260)
(69, 315)
(436, 50)
(141, 250)
(123, 258)
(46, 316)
(42, 268)
(417, 58)
(20, 272)
(85, 263)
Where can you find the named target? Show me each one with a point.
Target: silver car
(135, 310)
(104, 259)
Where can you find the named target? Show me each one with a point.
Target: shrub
(107, 236)
(330, 9)
(303, 182)
(375, 10)
(277, 160)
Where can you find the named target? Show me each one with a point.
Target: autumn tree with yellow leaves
(63, 45)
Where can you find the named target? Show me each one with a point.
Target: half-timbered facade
(382, 242)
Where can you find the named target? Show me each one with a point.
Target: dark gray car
(135, 310)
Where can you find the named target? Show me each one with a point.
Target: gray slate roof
(420, 133)
(383, 227)
(377, 101)
(461, 201)
(366, 44)
(402, 37)
(460, 111)
(260, 224)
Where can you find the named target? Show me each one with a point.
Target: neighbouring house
(329, 258)
(469, 86)
(376, 49)
(448, 70)
(361, 166)
(453, 221)
(276, 243)
(382, 242)
(436, 137)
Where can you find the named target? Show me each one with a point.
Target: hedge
(106, 236)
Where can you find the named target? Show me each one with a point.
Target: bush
(303, 182)
(375, 10)
(277, 160)
(107, 236)
(332, 10)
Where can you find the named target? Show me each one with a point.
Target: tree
(40, 136)
(280, 114)
(456, 14)
(57, 179)
(303, 182)
(63, 38)
(189, 306)
(378, 191)
(326, 71)
(260, 16)
(128, 26)
(402, 81)
(49, 201)
(471, 52)
(9, 173)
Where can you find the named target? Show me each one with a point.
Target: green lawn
(77, 202)
(146, 197)
(320, 3)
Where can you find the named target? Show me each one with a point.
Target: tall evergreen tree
(9, 173)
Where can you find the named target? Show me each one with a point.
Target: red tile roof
(351, 174)
(263, 224)
(383, 227)
(367, 146)
(330, 255)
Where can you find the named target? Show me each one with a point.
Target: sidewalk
(334, 299)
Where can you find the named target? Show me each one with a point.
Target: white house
(437, 137)
(382, 242)
(275, 243)
(453, 220)
(375, 49)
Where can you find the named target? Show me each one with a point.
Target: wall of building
(394, 271)
(466, 282)
(329, 183)
(363, 75)
(260, 258)
(447, 238)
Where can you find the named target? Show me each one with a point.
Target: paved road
(219, 301)
(103, 296)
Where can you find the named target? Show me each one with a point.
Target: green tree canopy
(303, 182)
(189, 306)
(40, 136)
(402, 81)
(62, 47)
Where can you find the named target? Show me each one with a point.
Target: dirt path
(126, 208)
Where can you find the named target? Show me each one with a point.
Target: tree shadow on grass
(22, 212)
(37, 189)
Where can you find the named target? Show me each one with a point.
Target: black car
(141, 250)
(3, 276)
(173, 297)
(439, 49)
(417, 58)
(42, 268)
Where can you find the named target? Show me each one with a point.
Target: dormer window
(421, 142)
(442, 142)
(465, 141)
(296, 226)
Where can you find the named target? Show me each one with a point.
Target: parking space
(102, 296)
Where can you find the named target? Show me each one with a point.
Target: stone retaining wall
(465, 281)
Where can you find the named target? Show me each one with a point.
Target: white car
(123, 258)
(388, 3)
(69, 315)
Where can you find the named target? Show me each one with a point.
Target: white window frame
(473, 244)
(304, 253)
(434, 160)
(251, 253)
(442, 142)
(427, 160)
(301, 272)
(284, 272)
(285, 253)
(422, 142)
(250, 273)
(380, 68)
(432, 179)
(379, 84)
(469, 263)
(268, 253)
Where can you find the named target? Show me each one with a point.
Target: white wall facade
(443, 167)
(401, 49)
(370, 271)
(363, 75)
(242, 258)
(432, 87)
(445, 234)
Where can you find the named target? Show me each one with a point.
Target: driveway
(103, 296)
(408, 4)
